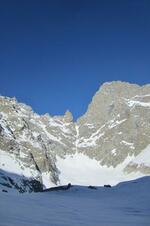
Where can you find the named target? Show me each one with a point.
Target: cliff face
(118, 118)
(110, 143)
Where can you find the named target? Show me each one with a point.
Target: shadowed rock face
(115, 127)
(21, 183)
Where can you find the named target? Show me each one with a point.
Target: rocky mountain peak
(68, 117)
(111, 97)
(112, 138)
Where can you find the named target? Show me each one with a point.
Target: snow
(9, 163)
(46, 180)
(6, 130)
(50, 136)
(113, 151)
(116, 123)
(124, 205)
(91, 141)
(60, 124)
(35, 134)
(143, 157)
(134, 103)
(82, 170)
(44, 128)
(90, 125)
(97, 132)
(24, 138)
(131, 145)
(142, 96)
(17, 168)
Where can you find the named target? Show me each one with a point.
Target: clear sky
(54, 55)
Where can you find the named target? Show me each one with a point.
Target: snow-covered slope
(108, 144)
(80, 169)
(127, 204)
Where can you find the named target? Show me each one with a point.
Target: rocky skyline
(108, 144)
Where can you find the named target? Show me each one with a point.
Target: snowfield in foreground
(127, 204)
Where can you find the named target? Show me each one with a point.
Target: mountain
(110, 143)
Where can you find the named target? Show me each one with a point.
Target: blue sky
(54, 55)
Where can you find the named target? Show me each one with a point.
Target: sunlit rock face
(109, 143)
(117, 121)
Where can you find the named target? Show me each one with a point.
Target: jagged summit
(112, 94)
(108, 144)
(68, 117)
